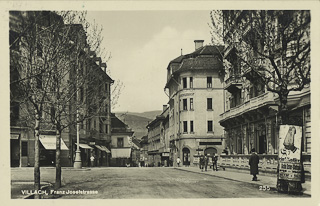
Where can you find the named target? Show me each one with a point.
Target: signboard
(290, 152)
(165, 154)
(196, 160)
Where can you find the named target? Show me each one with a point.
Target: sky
(142, 43)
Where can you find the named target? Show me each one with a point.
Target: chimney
(104, 67)
(198, 44)
(165, 107)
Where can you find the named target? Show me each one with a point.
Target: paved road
(133, 183)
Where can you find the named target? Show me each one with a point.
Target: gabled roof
(117, 126)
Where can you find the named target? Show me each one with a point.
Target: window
(94, 124)
(191, 103)
(120, 142)
(101, 126)
(185, 106)
(209, 103)
(191, 82)
(24, 149)
(210, 129)
(107, 127)
(209, 82)
(191, 126)
(89, 124)
(185, 127)
(184, 82)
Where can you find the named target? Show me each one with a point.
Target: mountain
(138, 121)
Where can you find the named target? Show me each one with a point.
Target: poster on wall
(290, 152)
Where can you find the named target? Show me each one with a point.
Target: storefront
(48, 150)
(120, 157)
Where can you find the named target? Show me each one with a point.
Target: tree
(271, 48)
(45, 51)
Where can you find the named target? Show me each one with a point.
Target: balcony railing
(254, 103)
(233, 82)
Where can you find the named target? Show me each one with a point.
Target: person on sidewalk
(201, 163)
(178, 161)
(92, 160)
(214, 162)
(205, 162)
(254, 162)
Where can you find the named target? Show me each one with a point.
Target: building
(121, 143)
(158, 141)
(195, 90)
(21, 111)
(250, 117)
(144, 151)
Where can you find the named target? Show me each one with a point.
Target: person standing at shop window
(254, 162)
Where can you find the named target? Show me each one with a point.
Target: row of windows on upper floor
(191, 104)
(185, 84)
(185, 126)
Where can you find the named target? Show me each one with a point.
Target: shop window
(191, 103)
(185, 127)
(24, 149)
(107, 127)
(210, 124)
(209, 82)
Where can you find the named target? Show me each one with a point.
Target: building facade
(121, 143)
(22, 116)
(195, 90)
(250, 117)
(158, 141)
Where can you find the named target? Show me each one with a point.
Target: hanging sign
(290, 152)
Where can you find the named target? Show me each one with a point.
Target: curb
(273, 188)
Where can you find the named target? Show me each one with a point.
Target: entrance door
(262, 144)
(210, 151)
(186, 156)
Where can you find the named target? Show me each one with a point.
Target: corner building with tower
(195, 89)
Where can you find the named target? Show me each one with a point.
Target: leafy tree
(271, 48)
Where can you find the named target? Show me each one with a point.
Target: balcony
(233, 83)
(254, 70)
(252, 104)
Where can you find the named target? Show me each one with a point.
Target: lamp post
(77, 161)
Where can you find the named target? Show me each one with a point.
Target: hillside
(138, 121)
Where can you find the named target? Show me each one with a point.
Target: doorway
(186, 156)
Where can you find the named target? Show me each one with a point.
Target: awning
(14, 136)
(84, 146)
(105, 149)
(121, 152)
(49, 142)
(102, 148)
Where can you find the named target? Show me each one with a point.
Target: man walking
(214, 161)
(205, 162)
(254, 162)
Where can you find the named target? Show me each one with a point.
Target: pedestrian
(201, 163)
(214, 161)
(178, 161)
(92, 160)
(253, 162)
(205, 162)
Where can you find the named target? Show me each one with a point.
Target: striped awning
(84, 146)
(49, 142)
(121, 152)
(105, 149)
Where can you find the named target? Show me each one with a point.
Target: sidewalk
(229, 174)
